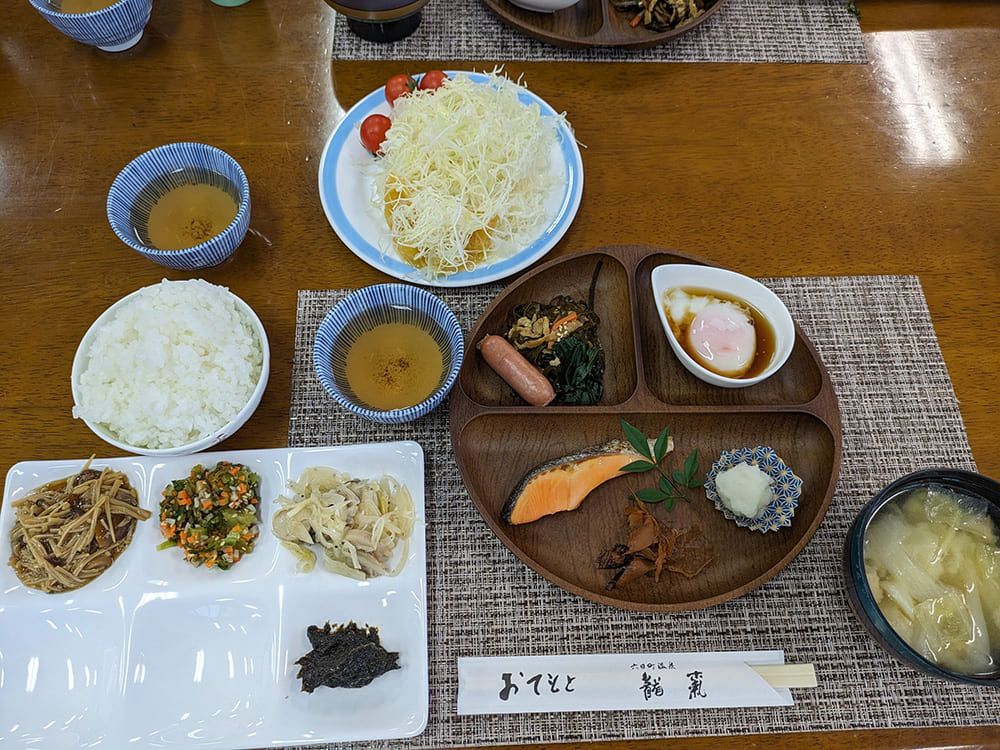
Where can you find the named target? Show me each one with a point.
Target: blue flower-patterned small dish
(363, 310)
(113, 29)
(786, 488)
(145, 179)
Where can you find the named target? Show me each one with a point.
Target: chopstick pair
(787, 675)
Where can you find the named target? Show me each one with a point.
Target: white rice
(174, 364)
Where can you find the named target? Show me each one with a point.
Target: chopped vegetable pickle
(212, 514)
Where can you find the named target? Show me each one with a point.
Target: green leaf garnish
(691, 466)
(650, 495)
(669, 485)
(662, 444)
(638, 466)
(637, 439)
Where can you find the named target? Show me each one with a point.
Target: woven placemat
(753, 31)
(899, 414)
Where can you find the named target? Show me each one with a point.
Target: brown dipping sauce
(766, 338)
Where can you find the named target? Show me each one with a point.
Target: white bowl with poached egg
(726, 328)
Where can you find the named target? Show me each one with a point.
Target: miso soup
(184, 208)
(397, 363)
(933, 565)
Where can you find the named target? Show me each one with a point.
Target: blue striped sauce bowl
(147, 180)
(351, 322)
(114, 28)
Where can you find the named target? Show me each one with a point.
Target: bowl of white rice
(171, 369)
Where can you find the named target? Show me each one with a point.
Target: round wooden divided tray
(590, 23)
(497, 439)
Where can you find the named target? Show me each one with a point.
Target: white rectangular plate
(156, 652)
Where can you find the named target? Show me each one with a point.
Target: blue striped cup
(112, 29)
(129, 199)
(359, 313)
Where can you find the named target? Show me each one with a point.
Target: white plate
(345, 186)
(156, 652)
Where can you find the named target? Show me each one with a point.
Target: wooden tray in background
(589, 23)
(497, 438)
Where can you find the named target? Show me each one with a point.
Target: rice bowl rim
(217, 436)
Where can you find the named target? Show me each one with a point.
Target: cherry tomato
(373, 130)
(432, 79)
(399, 85)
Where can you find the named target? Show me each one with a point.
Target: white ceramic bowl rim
(125, 232)
(205, 442)
(722, 280)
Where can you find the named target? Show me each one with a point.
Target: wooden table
(773, 170)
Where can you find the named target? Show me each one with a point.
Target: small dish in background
(147, 365)
(931, 563)
(772, 323)
(115, 27)
(389, 353)
(380, 20)
(786, 488)
(182, 205)
(544, 6)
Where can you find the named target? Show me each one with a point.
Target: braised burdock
(653, 548)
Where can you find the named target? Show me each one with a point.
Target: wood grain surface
(772, 170)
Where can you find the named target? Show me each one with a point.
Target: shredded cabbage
(464, 174)
(357, 522)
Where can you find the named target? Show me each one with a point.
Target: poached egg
(718, 334)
